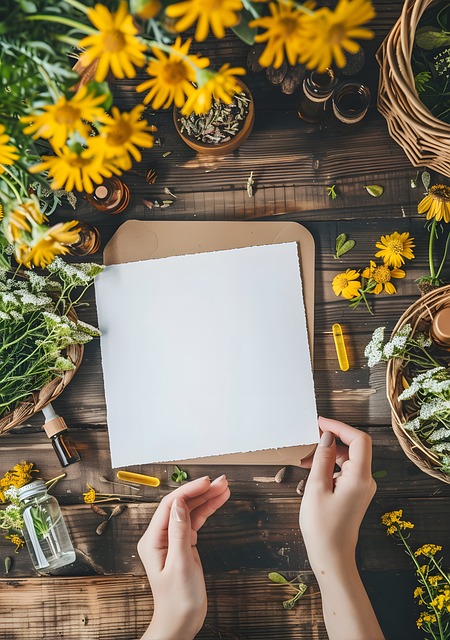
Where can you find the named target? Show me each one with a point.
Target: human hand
(334, 504)
(169, 554)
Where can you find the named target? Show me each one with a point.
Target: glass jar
(112, 196)
(350, 103)
(440, 328)
(45, 531)
(317, 90)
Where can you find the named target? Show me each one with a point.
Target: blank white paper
(205, 354)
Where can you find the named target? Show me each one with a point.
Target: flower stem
(78, 5)
(83, 28)
(430, 248)
(443, 256)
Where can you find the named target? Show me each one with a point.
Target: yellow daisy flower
(395, 248)
(71, 170)
(436, 203)
(221, 86)
(347, 284)
(89, 496)
(16, 540)
(216, 15)
(382, 275)
(171, 76)
(54, 241)
(119, 136)
(8, 152)
(327, 33)
(22, 218)
(115, 45)
(283, 32)
(59, 120)
(427, 550)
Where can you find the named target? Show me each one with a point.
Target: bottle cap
(31, 489)
(441, 326)
(52, 427)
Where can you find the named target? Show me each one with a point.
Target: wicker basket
(419, 316)
(424, 138)
(52, 390)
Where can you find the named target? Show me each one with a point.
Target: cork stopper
(101, 192)
(441, 326)
(52, 427)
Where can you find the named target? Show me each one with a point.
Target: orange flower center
(396, 246)
(114, 41)
(67, 114)
(288, 25)
(381, 274)
(342, 281)
(336, 34)
(119, 135)
(440, 192)
(174, 72)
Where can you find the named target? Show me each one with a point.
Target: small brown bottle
(112, 196)
(88, 240)
(317, 90)
(440, 328)
(56, 429)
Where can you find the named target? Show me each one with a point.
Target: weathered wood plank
(243, 605)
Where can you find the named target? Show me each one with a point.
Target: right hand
(334, 504)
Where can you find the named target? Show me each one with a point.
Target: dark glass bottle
(56, 429)
(316, 91)
(112, 196)
(88, 240)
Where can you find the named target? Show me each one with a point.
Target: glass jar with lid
(45, 531)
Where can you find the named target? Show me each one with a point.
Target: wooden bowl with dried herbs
(223, 129)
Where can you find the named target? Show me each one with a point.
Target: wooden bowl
(220, 148)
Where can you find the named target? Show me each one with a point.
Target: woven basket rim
(423, 137)
(420, 311)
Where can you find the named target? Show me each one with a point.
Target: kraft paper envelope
(142, 240)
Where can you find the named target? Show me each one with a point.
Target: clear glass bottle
(45, 531)
(88, 242)
(350, 102)
(317, 90)
(112, 196)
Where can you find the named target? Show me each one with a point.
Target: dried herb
(298, 588)
(99, 511)
(150, 176)
(300, 489)
(120, 508)
(220, 124)
(8, 563)
(101, 527)
(332, 191)
(179, 475)
(426, 179)
(342, 246)
(168, 191)
(250, 183)
(374, 190)
(279, 476)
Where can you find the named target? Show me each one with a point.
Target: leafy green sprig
(295, 585)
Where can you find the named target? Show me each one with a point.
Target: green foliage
(299, 588)
(179, 475)
(421, 81)
(342, 246)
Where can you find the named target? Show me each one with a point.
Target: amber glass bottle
(112, 196)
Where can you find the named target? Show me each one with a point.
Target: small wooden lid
(441, 326)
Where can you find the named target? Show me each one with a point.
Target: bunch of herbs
(36, 329)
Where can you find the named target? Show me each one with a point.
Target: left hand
(169, 554)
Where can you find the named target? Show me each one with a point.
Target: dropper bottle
(56, 429)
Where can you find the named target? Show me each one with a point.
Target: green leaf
(290, 604)
(243, 31)
(277, 577)
(340, 241)
(420, 81)
(429, 38)
(426, 179)
(379, 474)
(347, 246)
(374, 190)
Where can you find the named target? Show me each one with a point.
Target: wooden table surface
(106, 595)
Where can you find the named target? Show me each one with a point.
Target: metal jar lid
(31, 489)
(441, 326)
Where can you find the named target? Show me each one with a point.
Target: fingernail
(203, 478)
(178, 511)
(327, 439)
(218, 479)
